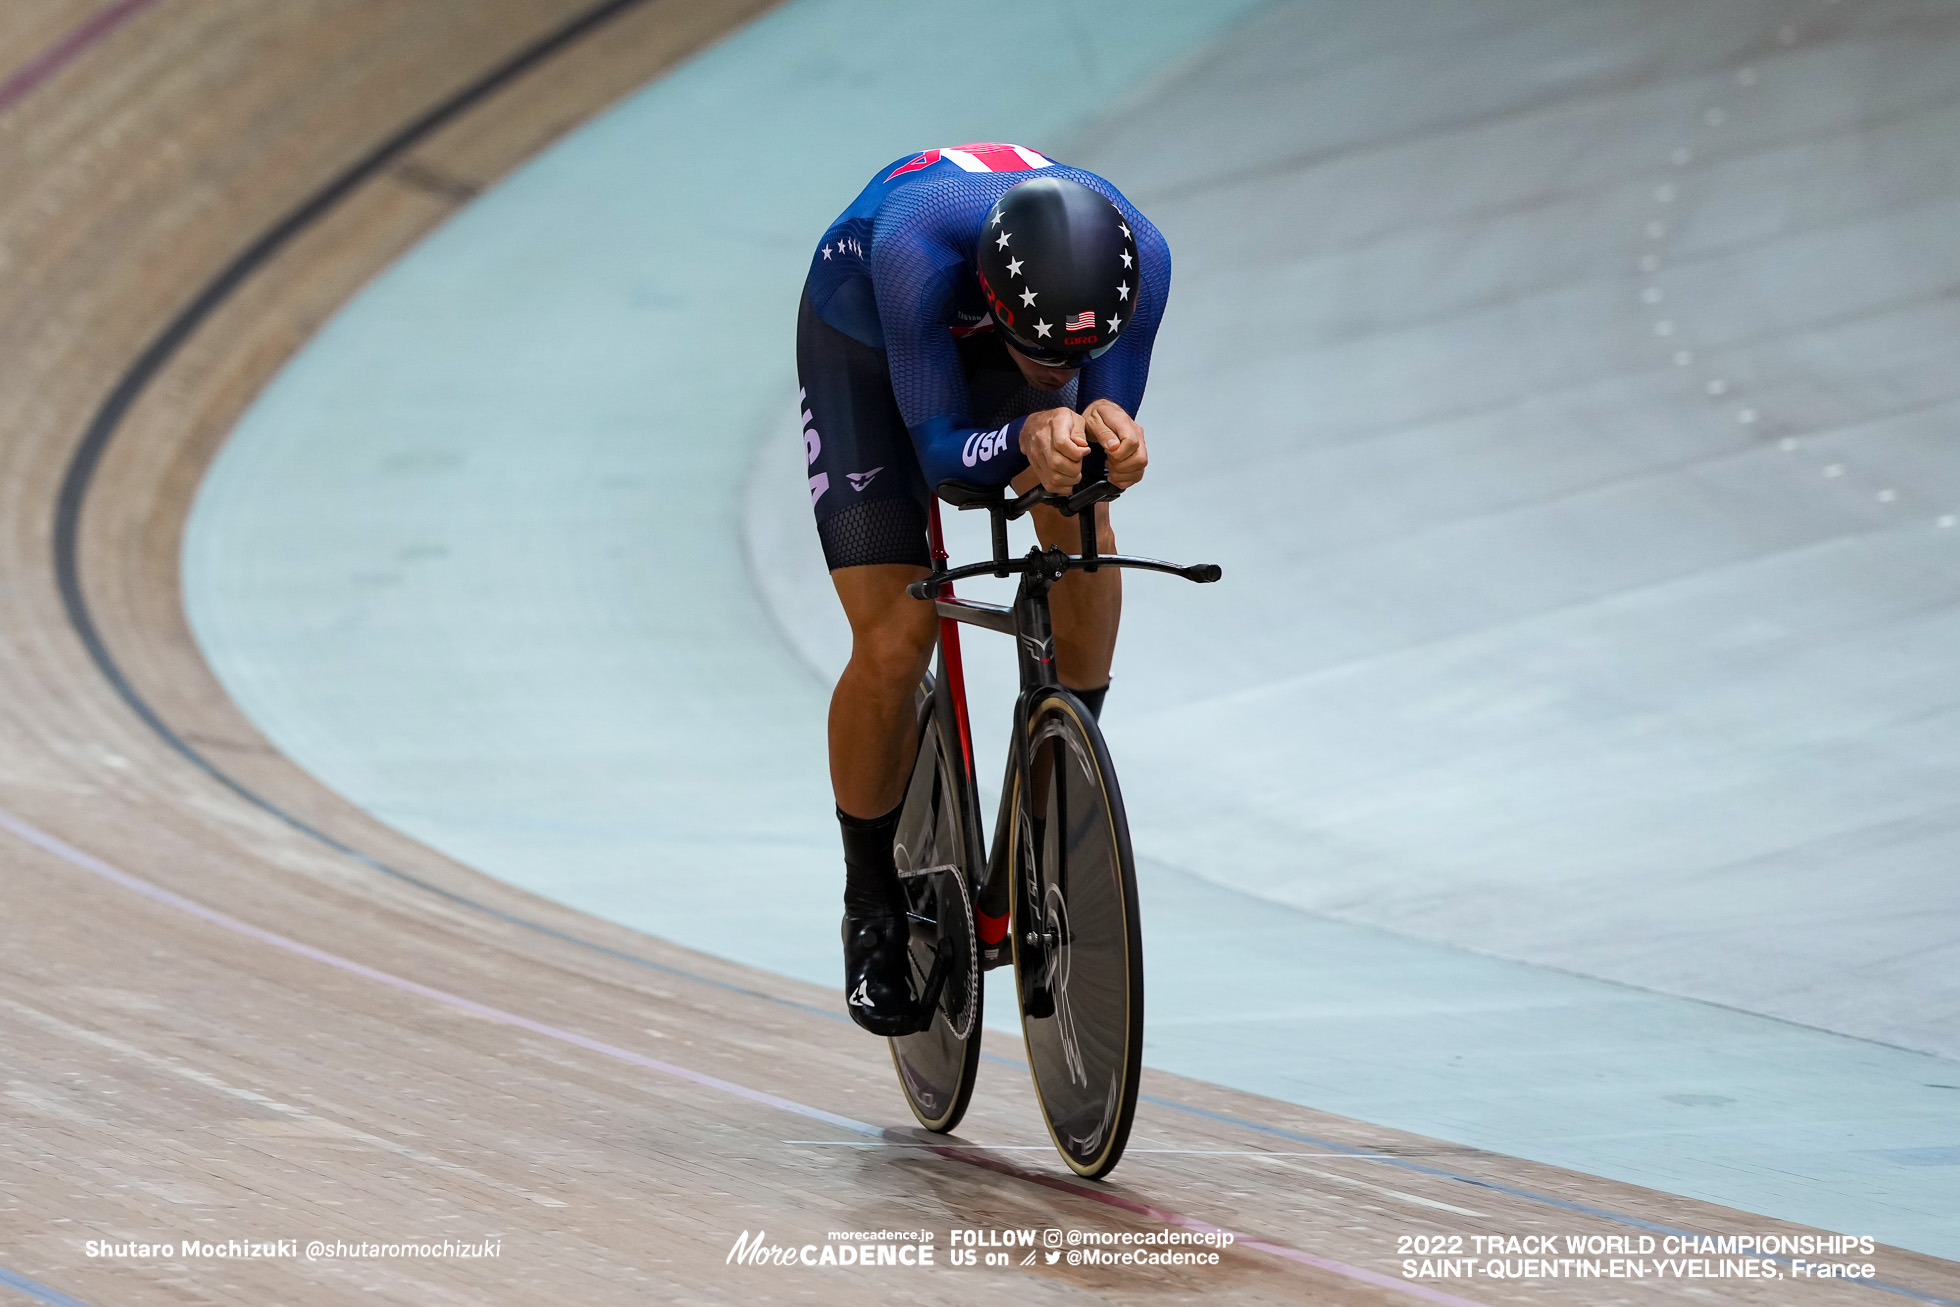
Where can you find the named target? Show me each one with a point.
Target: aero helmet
(1058, 265)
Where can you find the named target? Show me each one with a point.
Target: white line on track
(40, 839)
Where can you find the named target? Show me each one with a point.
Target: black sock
(1092, 699)
(871, 887)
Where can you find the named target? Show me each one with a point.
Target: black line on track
(129, 388)
(136, 379)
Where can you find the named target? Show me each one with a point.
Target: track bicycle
(1055, 889)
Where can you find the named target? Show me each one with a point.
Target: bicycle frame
(1027, 619)
(949, 706)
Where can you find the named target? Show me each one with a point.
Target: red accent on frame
(949, 641)
(992, 929)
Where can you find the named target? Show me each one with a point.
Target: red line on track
(157, 894)
(67, 49)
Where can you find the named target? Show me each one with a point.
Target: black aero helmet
(1058, 265)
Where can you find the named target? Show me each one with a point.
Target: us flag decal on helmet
(1082, 321)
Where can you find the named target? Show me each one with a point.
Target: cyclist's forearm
(988, 456)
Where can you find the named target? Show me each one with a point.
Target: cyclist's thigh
(866, 489)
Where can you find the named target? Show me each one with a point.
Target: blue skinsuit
(895, 272)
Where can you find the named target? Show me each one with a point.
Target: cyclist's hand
(1055, 441)
(1122, 441)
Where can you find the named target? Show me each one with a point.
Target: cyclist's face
(1040, 375)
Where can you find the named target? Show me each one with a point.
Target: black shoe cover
(878, 974)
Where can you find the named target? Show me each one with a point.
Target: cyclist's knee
(891, 632)
(894, 649)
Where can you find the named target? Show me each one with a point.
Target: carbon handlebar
(1051, 563)
(1055, 563)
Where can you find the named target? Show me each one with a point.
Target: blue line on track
(38, 1291)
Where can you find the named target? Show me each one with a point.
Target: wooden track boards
(168, 1077)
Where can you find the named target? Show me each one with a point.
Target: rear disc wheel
(937, 1065)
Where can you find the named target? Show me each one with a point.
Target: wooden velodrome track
(232, 1007)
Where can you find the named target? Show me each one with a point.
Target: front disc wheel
(1078, 941)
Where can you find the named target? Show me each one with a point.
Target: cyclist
(979, 313)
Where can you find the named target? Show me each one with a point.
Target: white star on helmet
(1027, 298)
(1042, 329)
(1014, 267)
(1115, 324)
(1001, 244)
(1123, 290)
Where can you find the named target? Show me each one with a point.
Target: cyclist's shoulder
(947, 188)
(913, 228)
(938, 185)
